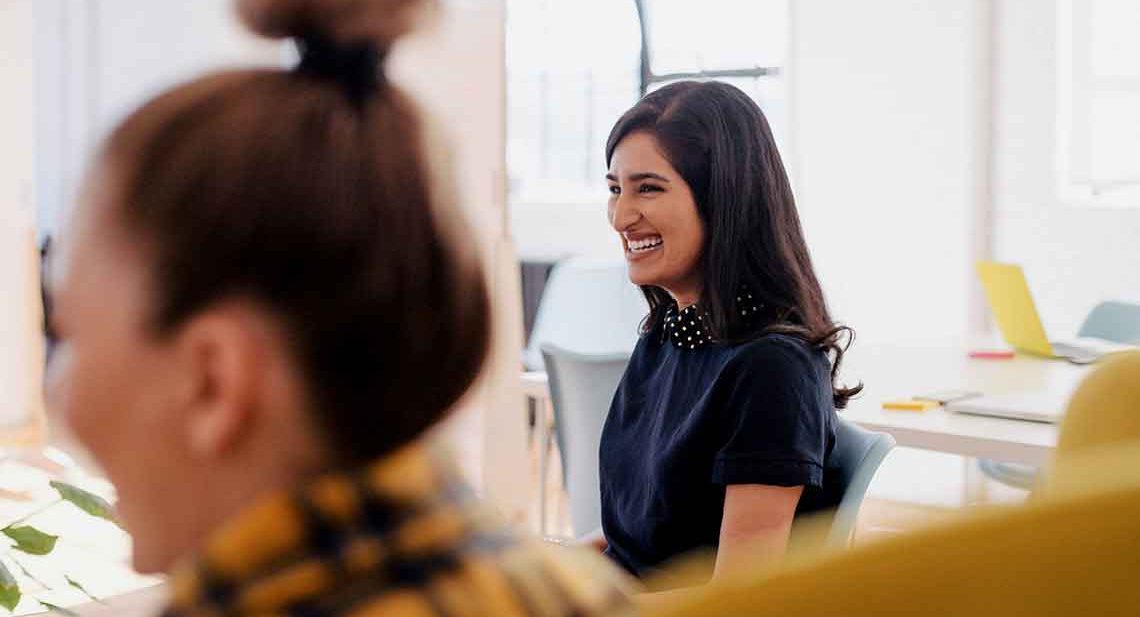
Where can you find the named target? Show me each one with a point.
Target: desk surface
(902, 370)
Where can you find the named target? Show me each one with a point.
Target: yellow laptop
(1020, 324)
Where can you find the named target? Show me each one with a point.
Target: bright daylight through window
(564, 95)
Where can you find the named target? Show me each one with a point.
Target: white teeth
(646, 244)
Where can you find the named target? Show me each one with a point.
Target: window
(574, 66)
(572, 69)
(1099, 101)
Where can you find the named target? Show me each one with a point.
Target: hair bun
(343, 21)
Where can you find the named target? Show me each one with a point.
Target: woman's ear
(224, 361)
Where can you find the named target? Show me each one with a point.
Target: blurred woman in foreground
(266, 301)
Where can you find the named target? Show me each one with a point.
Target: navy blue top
(691, 417)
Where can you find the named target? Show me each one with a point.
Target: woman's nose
(623, 213)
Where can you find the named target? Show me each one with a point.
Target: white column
(457, 69)
(21, 342)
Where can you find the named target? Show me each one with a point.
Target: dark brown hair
(283, 188)
(719, 141)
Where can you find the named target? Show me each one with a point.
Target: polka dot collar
(686, 328)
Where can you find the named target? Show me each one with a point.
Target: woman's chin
(642, 277)
(653, 268)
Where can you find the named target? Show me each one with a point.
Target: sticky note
(910, 405)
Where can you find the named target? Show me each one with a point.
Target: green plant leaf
(75, 584)
(31, 540)
(86, 501)
(57, 609)
(9, 589)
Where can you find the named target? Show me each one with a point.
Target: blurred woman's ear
(223, 362)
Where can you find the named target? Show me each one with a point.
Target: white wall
(17, 107)
(21, 348)
(99, 59)
(1074, 255)
(883, 130)
(457, 71)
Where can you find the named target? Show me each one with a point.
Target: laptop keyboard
(1076, 353)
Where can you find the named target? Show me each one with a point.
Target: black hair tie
(355, 66)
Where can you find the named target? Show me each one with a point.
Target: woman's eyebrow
(641, 175)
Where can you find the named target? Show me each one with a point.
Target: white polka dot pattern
(686, 330)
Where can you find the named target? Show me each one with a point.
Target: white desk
(902, 371)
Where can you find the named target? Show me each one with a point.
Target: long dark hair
(719, 141)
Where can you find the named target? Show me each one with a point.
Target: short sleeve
(776, 417)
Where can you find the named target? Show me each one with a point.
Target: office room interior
(966, 174)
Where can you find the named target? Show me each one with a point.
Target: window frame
(649, 77)
(525, 196)
(1074, 95)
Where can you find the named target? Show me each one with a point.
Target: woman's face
(653, 210)
(116, 386)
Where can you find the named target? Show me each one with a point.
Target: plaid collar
(387, 533)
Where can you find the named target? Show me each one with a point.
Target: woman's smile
(643, 246)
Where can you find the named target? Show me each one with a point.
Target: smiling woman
(652, 207)
(732, 386)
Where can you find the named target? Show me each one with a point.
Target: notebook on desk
(1048, 407)
(1020, 323)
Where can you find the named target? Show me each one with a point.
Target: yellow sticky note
(910, 405)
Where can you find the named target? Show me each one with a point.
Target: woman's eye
(615, 190)
(648, 188)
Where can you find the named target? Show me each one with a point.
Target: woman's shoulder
(777, 355)
(791, 377)
(649, 341)
(776, 346)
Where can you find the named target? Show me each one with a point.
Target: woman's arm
(753, 534)
(756, 524)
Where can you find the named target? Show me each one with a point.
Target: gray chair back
(582, 387)
(588, 306)
(856, 457)
(1118, 322)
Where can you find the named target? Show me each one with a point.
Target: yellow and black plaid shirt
(401, 538)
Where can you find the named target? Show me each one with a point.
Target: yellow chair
(1103, 416)
(1105, 409)
(1073, 549)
